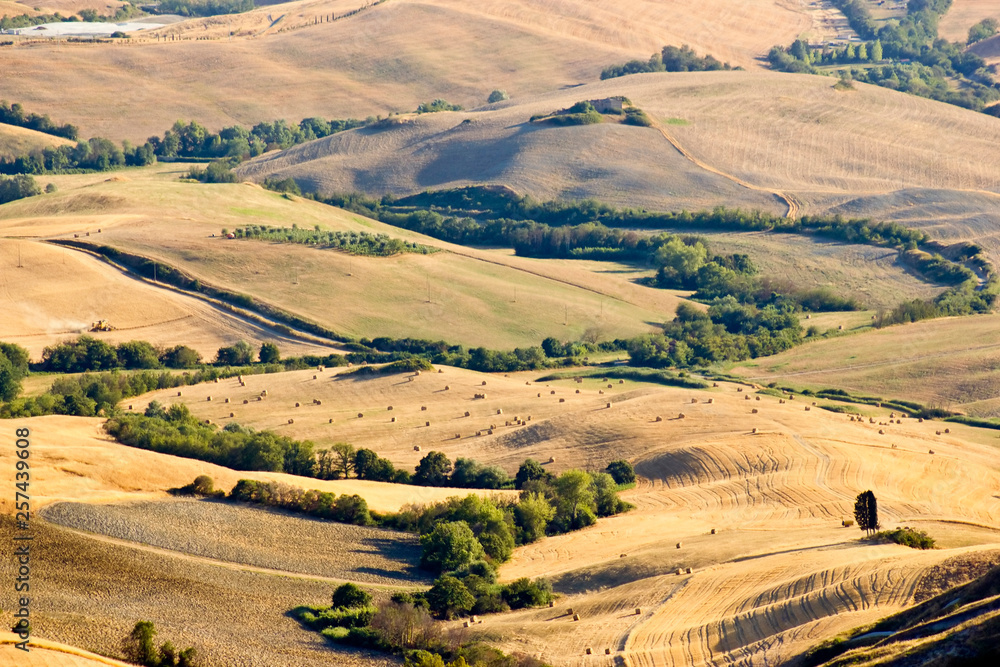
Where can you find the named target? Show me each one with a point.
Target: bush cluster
(355, 243)
(670, 59)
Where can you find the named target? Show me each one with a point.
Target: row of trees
(353, 242)
(669, 59)
(920, 62)
(14, 114)
(17, 187)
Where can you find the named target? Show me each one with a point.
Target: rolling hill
(16, 141)
(778, 575)
(747, 139)
(373, 62)
(462, 295)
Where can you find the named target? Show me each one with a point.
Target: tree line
(669, 59)
(353, 242)
(910, 56)
(14, 114)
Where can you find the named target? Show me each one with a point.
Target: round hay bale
(291, 421)
(600, 391)
(264, 392)
(130, 407)
(316, 401)
(607, 651)
(440, 371)
(899, 421)
(245, 401)
(360, 415)
(416, 448)
(659, 418)
(447, 387)
(881, 432)
(694, 400)
(216, 380)
(610, 386)
(297, 405)
(609, 404)
(679, 545)
(623, 555)
(947, 430)
(423, 408)
(578, 391)
(576, 617)
(499, 411)
(710, 401)
(331, 420)
(389, 408)
(781, 400)
(260, 398)
(315, 377)
(715, 384)
(638, 611)
(754, 430)
(552, 459)
(484, 383)
(552, 604)
(930, 451)
(920, 420)
(713, 531)
(754, 411)
(562, 400)
(458, 436)
(840, 327)
(937, 432)
(739, 390)
(587, 650)
(178, 393)
(232, 414)
(392, 420)
(680, 571)
(680, 415)
(208, 422)
(689, 570)
(416, 373)
(226, 400)
(808, 408)
(488, 432)
(427, 423)
(465, 624)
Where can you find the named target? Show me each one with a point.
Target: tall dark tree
(866, 512)
(433, 470)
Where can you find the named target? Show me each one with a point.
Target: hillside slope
(373, 62)
(462, 295)
(746, 137)
(16, 141)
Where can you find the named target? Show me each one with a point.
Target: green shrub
(350, 595)
(622, 472)
(908, 537)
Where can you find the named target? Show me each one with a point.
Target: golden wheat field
(374, 62)
(44, 653)
(779, 574)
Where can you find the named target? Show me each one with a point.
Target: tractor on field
(101, 325)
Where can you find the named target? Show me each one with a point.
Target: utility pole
(19, 265)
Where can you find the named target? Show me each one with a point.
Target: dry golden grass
(988, 49)
(781, 569)
(871, 275)
(964, 14)
(75, 460)
(832, 151)
(476, 297)
(43, 653)
(59, 292)
(374, 62)
(16, 141)
(950, 363)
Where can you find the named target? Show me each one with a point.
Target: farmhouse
(607, 105)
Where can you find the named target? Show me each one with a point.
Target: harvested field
(43, 653)
(15, 141)
(371, 63)
(90, 594)
(964, 14)
(477, 297)
(746, 136)
(252, 536)
(76, 461)
(871, 275)
(59, 292)
(953, 363)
